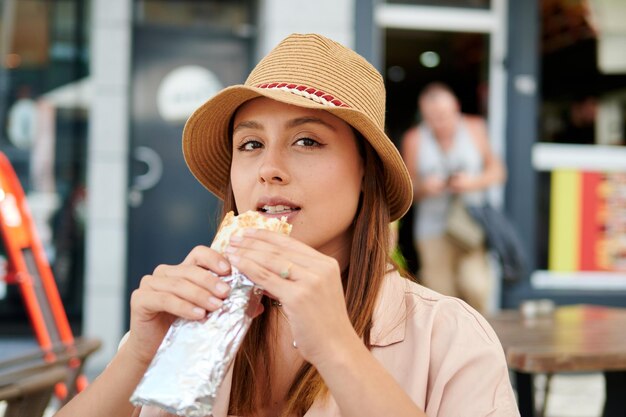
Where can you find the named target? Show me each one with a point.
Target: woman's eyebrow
(248, 124)
(304, 120)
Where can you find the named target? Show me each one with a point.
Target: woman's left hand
(306, 282)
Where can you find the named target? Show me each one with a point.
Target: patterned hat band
(317, 96)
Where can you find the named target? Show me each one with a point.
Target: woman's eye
(307, 142)
(250, 145)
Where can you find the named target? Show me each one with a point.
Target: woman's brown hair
(369, 261)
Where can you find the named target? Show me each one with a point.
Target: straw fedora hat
(309, 71)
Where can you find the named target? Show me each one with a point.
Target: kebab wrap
(190, 364)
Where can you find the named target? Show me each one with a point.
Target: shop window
(582, 102)
(43, 132)
(582, 151)
(218, 15)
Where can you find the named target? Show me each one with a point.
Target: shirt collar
(389, 319)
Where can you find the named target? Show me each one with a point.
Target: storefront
(549, 77)
(567, 197)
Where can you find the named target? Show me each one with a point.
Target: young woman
(341, 332)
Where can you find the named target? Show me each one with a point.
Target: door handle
(151, 177)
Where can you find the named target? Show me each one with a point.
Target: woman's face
(300, 163)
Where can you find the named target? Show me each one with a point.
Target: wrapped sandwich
(194, 357)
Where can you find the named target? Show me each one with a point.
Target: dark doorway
(415, 58)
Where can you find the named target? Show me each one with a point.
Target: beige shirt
(442, 352)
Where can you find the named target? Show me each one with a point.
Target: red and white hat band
(317, 96)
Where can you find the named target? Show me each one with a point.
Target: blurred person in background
(448, 154)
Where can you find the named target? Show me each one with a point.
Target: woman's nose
(273, 168)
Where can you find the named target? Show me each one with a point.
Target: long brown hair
(369, 261)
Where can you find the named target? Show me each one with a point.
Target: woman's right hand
(188, 290)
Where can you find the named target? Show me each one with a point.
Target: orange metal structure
(28, 267)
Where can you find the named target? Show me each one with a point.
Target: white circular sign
(183, 90)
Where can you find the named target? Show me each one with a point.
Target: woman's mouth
(278, 209)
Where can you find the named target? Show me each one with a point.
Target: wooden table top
(573, 338)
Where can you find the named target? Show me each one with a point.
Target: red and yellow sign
(587, 221)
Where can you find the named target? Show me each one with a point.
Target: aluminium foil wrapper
(185, 374)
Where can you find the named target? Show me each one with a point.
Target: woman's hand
(188, 290)
(305, 281)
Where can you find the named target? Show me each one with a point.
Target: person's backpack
(502, 239)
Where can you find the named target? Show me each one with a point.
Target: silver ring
(284, 274)
(294, 344)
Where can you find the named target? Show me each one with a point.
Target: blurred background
(94, 95)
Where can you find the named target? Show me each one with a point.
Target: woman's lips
(278, 209)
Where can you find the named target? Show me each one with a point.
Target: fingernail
(233, 259)
(222, 266)
(249, 231)
(230, 249)
(216, 302)
(236, 238)
(199, 312)
(222, 287)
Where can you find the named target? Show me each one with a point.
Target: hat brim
(207, 149)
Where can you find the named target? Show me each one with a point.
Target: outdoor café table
(577, 338)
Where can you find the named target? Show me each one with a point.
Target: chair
(27, 391)
(28, 381)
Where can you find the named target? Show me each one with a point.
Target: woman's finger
(183, 289)
(278, 242)
(207, 258)
(260, 275)
(274, 248)
(280, 277)
(253, 269)
(197, 275)
(263, 263)
(149, 303)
